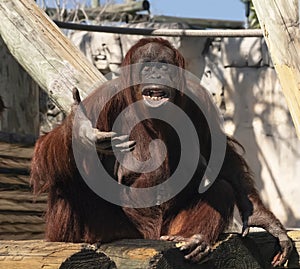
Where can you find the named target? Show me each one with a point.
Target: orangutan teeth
(156, 98)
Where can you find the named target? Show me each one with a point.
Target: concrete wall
(239, 72)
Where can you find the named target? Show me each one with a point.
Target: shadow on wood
(88, 259)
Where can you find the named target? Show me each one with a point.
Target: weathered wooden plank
(45, 53)
(14, 181)
(26, 219)
(35, 254)
(11, 162)
(15, 162)
(21, 228)
(279, 20)
(231, 252)
(21, 212)
(16, 150)
(13, 205)
(22, 196)
(31, 235)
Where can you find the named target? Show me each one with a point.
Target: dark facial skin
(157, 74)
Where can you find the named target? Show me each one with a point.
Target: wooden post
(279, 20)
(45, 53)
(95, 3)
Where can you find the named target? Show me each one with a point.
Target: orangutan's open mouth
(156, 95)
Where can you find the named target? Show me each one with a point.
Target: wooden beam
(232, 251)
(161, 32)
(279, 20)
(45, 53)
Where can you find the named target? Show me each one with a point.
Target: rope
(160, 32)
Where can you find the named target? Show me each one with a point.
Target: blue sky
(211, 9)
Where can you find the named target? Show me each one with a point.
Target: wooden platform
(20, 217)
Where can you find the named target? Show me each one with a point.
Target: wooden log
(125, 254)
(232, 251)
(45, 53)
(279, 20)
